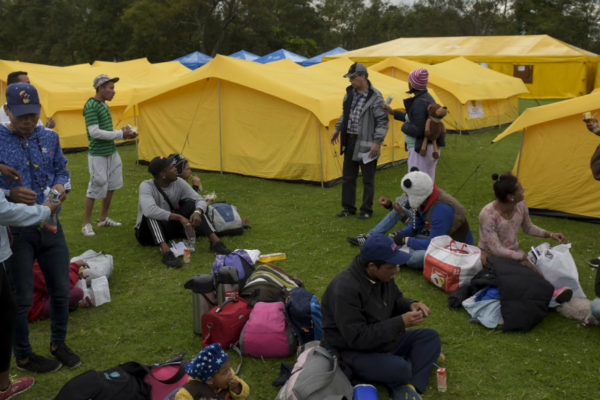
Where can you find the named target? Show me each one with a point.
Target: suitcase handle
(218, 310)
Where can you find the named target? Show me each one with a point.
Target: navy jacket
(416, 108)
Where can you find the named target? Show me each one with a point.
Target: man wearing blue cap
(35, 153)
(365, 321)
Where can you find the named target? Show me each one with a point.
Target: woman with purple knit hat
(414, 123)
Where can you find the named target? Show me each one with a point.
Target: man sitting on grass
(433, 213)
(168, 209)
(366, 320)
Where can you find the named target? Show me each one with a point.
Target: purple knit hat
(418, 79)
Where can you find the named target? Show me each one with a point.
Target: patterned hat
(178, 161)
(207, 362)
(418, 186)
(418, 79)
(22, 98)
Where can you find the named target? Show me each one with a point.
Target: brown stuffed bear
(434, 128)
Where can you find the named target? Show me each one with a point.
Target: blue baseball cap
(22, 98)
(379, 247)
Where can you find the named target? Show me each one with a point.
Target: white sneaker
(108, 222)
(87, 230)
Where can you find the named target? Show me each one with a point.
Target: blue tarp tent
(194, 60)
(244, 55)
(280, 55)
(318, 58)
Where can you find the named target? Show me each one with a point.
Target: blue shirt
(38, 158)
(441, 220)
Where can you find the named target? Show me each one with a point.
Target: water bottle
(227, 282)
(190, 233)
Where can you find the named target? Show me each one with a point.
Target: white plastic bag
(557, 266)
(450, 264)
(86, 300)
(100, 291)
(100, 264)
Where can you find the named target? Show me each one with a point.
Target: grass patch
(150, 316)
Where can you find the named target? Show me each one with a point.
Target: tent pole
(498, 108)
(135, 123)
(521, 152)
(321, 154)
(460, 117)
(220, 131)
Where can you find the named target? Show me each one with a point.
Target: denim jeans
(417, 257)
(52, 253)
(387, 223)
(416, 260)
(596, 307)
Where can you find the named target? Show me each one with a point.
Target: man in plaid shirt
(363, 126)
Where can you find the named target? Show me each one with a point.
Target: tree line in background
(64, 32)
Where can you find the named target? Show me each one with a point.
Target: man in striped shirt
(104, 163)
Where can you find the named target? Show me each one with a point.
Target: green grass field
(150, 316)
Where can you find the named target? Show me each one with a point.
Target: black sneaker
(363, 215)
(219, 248)
(357, 240)
(344, 213)
(594, 262)
(66, 356)
(39, 364)
(170, 260)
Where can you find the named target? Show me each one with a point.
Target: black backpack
(125, 381)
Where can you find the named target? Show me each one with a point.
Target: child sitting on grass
(212, 378)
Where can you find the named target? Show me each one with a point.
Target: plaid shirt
(358, 103)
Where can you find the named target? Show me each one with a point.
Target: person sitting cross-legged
(167, 208)
(366, 321)
(429, 212)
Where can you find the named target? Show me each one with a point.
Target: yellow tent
(63, 91)
(476, 97)
(554, 162)
(257, 119)
(537, 59)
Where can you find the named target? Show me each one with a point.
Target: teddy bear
(434, 128)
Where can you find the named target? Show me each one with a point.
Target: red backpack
(223, 324)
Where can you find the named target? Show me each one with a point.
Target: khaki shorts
(106, 174)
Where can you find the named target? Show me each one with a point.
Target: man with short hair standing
(363, 126)
(104, 163)
(366, 320)
(34, 152)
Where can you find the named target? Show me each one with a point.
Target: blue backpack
(303, 311)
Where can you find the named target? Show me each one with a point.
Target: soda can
(441, 380)
(187, 255)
